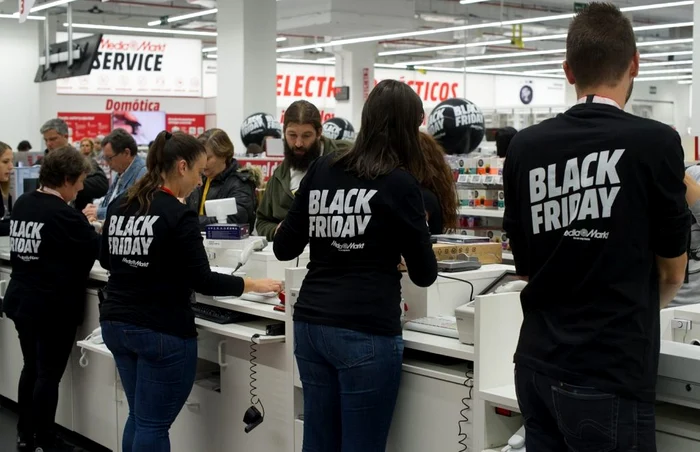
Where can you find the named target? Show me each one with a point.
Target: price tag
(488, 180)
(463, 179)
(499, 180)
(475, 179)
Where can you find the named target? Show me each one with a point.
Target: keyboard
(440, 326)
(218, 315)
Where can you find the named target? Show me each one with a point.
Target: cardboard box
(487, 253)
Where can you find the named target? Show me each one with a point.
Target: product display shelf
(480, 212)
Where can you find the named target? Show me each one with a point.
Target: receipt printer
(465, 323)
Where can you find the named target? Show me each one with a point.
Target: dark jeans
(157, 372)
(350, 382)
(562, 417)
(45, 349)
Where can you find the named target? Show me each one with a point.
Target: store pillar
(354, 68)
(246, 63)
(695, 89)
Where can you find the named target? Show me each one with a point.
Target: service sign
(141, 66)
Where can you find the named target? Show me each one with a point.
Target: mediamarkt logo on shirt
(25, 239)
(131, 237)
(585, 193)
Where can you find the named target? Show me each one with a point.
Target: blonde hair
(219, 143)
(5, 186)
(92, 144)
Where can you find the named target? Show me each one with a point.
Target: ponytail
(164, 153)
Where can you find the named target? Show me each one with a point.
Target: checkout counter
(460, 393)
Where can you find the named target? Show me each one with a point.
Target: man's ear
(634, 66)
(569, 73)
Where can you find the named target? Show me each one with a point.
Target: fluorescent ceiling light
(16, 16)
(657, 79)
(470, 2)
(163, 31)
(528, 53)
(666, 71)
(281, 38)
(665, 54)
(410, 34)
(666, 63)
(525, 39)
(525, 64)
(48, 5)
(205, 12)
(685, 82)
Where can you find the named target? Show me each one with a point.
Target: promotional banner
(189, 124)
(87, 125)
(24, 7)
(141, 66)
(316, 83)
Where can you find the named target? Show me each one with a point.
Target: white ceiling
(422, 15)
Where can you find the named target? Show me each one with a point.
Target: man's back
(592, 196)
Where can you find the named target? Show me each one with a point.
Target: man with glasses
(120, 151)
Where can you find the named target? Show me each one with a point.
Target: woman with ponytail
(153, 249)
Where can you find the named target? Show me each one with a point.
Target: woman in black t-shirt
(152, 247)
(360, 212)
(52, 250)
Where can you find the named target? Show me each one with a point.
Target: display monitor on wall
(88, 48)
(144, 126)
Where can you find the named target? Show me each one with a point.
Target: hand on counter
(263, 285)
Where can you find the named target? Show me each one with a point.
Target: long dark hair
(166, 151)
(439, 180)
(388, 137)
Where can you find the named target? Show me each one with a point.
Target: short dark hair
(303, 112)
(389, 134)
(24, 146)
(61, 165)
(600, 45)
(121, 141)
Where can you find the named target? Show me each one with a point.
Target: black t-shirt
(156, 259)
(357, 230)
(592, 196)
(52, 250)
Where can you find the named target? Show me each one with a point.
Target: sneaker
(25, 443)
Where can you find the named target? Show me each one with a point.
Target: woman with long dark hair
(360, 212)
(438, 187)
(152, 246)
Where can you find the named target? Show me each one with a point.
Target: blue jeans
(350, 382)
(563, 417)
(157, 371)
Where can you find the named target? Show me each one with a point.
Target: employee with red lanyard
(152, 246)
(598, 223)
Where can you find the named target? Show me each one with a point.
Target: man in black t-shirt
(598, 223)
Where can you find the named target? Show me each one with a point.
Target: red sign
(87, 125)
(267, 164)
(365, 83)
(189, 124)
(132, 105)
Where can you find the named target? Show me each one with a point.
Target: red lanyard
(168, 191)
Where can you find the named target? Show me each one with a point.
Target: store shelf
(100, 349)
(243, 331)
(473, 212)
(439, 345)
(503, 397)
(264, 310)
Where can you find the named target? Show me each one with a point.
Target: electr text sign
(141, 66)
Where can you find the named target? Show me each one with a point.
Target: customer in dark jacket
(55, 133)
(52, 249)
(224, 178)
(303, 143)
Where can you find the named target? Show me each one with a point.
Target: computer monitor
(24, 180)
(27, 158)
(506, 277)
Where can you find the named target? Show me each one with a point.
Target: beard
(302, 162)
(629, 92)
